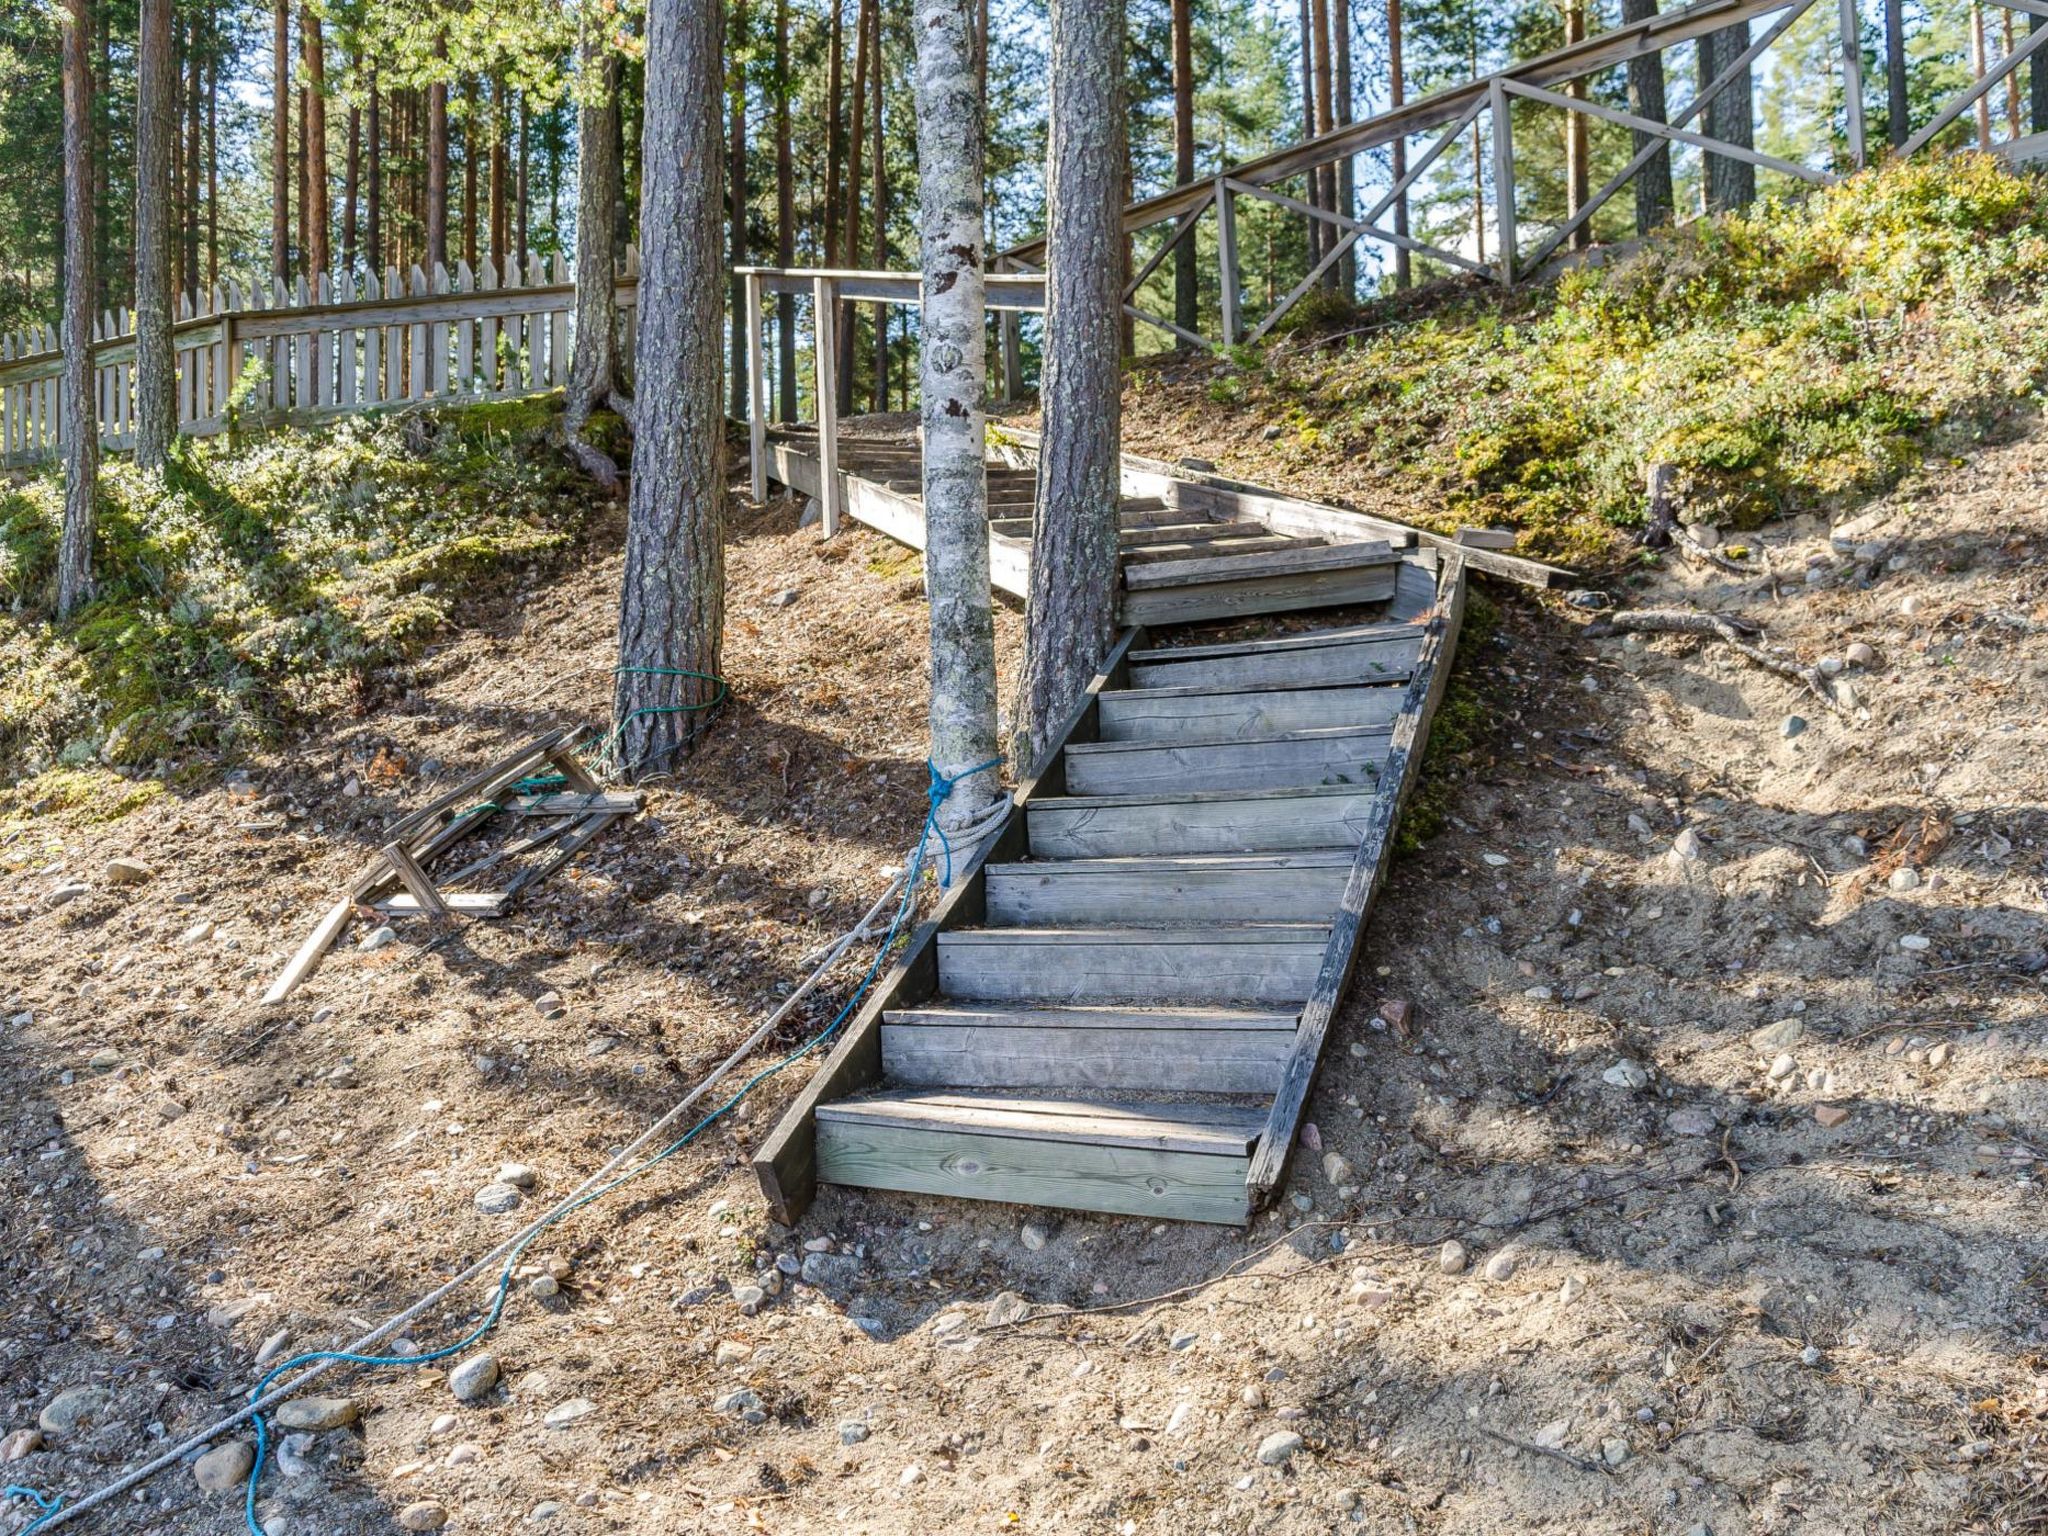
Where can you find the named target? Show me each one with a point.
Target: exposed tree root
(1734, 633)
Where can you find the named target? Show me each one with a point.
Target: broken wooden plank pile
(543, 784)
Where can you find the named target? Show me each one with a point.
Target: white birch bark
(951, 147)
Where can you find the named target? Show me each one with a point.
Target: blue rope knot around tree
(942, 786)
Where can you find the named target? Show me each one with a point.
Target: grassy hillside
(253, 583)
(1798, 358)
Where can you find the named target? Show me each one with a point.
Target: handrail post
(1226, 258)
(757, 405)
(1503, 178)
(825, 308)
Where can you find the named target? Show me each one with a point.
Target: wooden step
(1173, 1050)
(1180, 1161)
(1213, 888)
(1207, 714)
(1238, 541)
(1217, 963)
(1174, 533)
(1280, 581)
(1226, 821)
(1331, 755)
(1368, 653)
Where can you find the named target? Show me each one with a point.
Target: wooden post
(757, 402)
(1503, 178)
(1852, 81)
(1011, 332)
(1226, 256)
(825, 308)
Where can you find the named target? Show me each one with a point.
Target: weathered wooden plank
(1331, 755)
(1046, 1048)
(1227, 714)
(1298, 558)
(1127, 1181)
(1233, 545)
(1233, 821)
(1240, 598)
(1253, 963)
(786, 1164)
(461, 903)
(1368, 873)
(1364, 654)
(1216, 1129)
(1215, 888)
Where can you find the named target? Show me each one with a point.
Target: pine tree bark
(672, 598)
(835, 138)
(1731, 183)
(1577, 148)
(81, 425)
(1308, 123)
(315, 213)
(1323, 177)
(156, 420)
(736, 169)
(1654, 200)
(1898, 107)
(1341, 116)
(1186, 278)
(501, 226)
(281, 141)
(437, 165)
(849, 229)
(880, 171)
(213, 167)
(785, 223)
(951, 153)
(188, 275)
(594, 364)
(373, 199)
(1404, 270)
(472, 122)
(351, 190)
(2037, 81)
(1072, 610)
(523, 183)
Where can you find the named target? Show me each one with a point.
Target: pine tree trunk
(501, 230)
(81, 426)
(523, 183)
(785, 223)
(373, 218)
(951, 139)
(594, 365)
(471, 121)
(156, 420)
(1404, 268)
(437, 168)
(736, 202)
(672, 598)
(835, 137)
(880, 172)
(351, 190)
(1577, 149)
(849, 229)
(315, 214)
(1308, 123)
(281, 141)
(1654, 200)
(1730, 183)
(1341, 116)
(1072, 611)
(1324, 177)
(105, 222)
(2037, 82)
(1898, 106)
(213, 168)
(299, 171)
(188, 277)
(1186, 279)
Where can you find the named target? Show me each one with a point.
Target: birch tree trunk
(81, 425)
(951, 151)
(1654, 200)
(1072, 611)
(594, 365)
(672, 598)
(155, 126)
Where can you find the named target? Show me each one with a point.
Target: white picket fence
(357, 345)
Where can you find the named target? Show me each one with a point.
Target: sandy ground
(1745, 1176)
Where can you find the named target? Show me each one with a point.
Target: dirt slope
(1691, 1302)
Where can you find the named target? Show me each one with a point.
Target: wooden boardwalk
(1121, 1007)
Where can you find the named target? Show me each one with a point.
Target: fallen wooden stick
(1733, 633)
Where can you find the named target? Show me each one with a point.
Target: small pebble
(1452, 1258)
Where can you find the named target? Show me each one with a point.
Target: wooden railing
(271, 356)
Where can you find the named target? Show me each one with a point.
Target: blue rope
(47, 1503)
(941, 787)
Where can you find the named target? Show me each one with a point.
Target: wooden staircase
(1121, 1007)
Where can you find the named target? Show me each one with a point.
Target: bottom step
(1165, 1050)
(1187, 1162)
